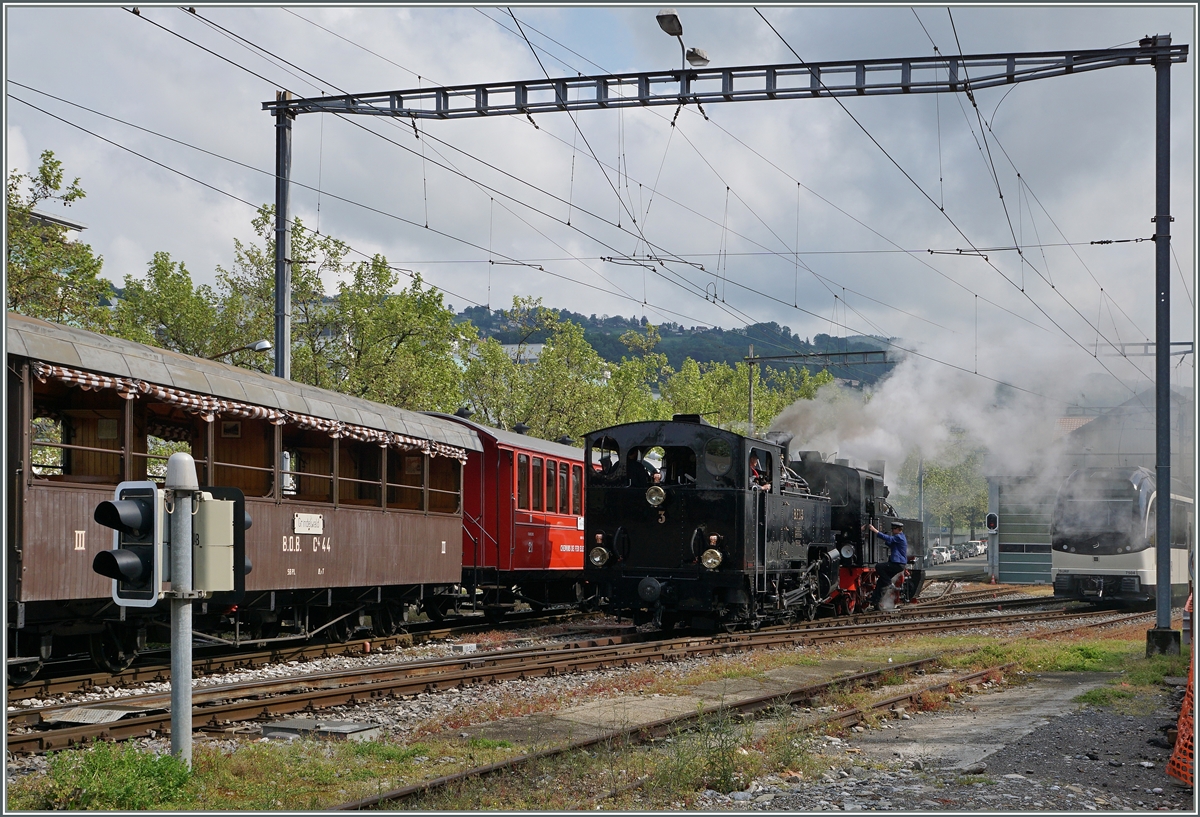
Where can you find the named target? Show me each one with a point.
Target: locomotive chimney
(842, 462)
(877, 466)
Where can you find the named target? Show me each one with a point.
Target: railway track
(667, 726)
(219, 706)
(159, 671)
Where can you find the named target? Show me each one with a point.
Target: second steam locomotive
(691, 524)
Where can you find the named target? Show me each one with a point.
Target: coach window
(168, 431)
(358, 473)
(536, 479)
(445, 479)
(406, 480)
(77, 436)
(563, 504)
(308, 455)
(523, 481)
(577, 490)
(243, 454)
(551, 486)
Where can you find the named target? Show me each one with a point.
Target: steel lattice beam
(911, 75)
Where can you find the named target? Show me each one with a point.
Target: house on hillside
(1110, 437)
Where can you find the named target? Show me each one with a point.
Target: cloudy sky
(786, 210)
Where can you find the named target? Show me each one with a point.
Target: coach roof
(515, 440)
(67, 346)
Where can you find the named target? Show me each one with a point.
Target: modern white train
(1103, 537)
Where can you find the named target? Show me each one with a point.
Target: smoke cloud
(924, 407)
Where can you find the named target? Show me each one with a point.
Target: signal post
(180, 534)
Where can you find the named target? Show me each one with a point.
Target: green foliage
(389, 752)
(49, 276)
(955, 487)
(166, 310)
(117, 778)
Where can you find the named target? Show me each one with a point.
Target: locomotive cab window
(759, 469)
(718, 456)
(605, 456)
(665, 465)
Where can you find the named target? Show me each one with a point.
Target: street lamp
(669, 22)
(257, 346)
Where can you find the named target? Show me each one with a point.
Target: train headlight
(655, 495)
(598, 556)
(847, 551)
(711, 558)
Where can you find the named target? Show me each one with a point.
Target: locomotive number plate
(798, 514)
(309, 523)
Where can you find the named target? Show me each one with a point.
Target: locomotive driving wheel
(112, 650)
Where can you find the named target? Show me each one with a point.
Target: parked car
(941, 554)
(979, 547)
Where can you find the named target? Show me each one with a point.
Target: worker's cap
(899, 525)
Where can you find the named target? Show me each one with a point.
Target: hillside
(701, 343)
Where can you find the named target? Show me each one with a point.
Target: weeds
(110, 777)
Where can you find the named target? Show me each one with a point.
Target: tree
(49, 276)
(397, 347)
(494, 386)
(165, 310)
(566, 386)
(632, 382)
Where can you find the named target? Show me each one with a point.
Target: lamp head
(697, 57)
(260, 346)
(669, 22)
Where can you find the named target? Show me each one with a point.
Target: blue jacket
(898, 547)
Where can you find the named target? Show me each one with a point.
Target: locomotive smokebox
(649, 589)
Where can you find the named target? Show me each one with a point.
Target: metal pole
(283, 240)
(181, 483)
(1162, 336)
(750, 412)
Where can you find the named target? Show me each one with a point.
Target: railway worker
(757, 475)
(897, 558)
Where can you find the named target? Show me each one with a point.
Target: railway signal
(137, 515)
(139, 561)
(993, 523)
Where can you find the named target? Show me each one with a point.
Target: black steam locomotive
(694, 525)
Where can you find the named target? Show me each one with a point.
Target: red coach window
(577, 490)
(551, 486)
(537, 483)
(563, 494)
(523, 481)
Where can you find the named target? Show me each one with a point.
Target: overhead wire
(959, 230)
(264, 78)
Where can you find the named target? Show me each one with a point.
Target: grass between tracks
(720, 752)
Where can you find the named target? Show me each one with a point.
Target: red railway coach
(356, 506)
(522, 537)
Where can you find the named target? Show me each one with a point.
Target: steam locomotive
(689, 524)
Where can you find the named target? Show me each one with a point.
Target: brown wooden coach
(356, 506)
